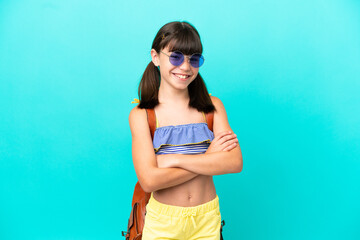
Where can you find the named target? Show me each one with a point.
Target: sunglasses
(177, 58)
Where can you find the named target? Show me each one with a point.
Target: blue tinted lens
(196, 60)
(176, 58)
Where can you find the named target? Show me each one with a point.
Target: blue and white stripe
(193, 138)
(184, 149)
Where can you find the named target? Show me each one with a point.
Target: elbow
(146, 185)
(238, 166)
(149, 180)
(149, 185)
(236, 160)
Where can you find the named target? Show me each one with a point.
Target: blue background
(287, 72)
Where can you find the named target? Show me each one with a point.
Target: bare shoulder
(220, 117)
(138, 118)
(219, 106)
(217, 102)
(136, 113)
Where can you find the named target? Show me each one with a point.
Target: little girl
(178, 165)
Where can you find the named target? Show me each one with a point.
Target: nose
(186, 64)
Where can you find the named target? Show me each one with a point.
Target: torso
(198, 190)
(194, 192)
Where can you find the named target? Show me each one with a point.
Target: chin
(181, 86)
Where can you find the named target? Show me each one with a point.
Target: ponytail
(199, 95)
(149, 87)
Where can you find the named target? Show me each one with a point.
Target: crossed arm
(222, 157)
(163, 171)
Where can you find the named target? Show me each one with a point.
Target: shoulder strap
(152, 121)
(210, 120)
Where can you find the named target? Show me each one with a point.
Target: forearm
(160, 178)
(216, 163)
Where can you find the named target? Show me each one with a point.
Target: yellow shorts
(188, 223)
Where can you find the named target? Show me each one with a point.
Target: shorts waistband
(171, 210)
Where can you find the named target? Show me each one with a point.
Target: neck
(170, 95)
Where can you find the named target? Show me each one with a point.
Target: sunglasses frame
(189, 57)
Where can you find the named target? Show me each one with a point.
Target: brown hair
(179, 36)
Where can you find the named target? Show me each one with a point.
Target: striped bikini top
(192, 138)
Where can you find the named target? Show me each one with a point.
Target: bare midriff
(196, 191)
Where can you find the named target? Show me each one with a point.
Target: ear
(155, 57)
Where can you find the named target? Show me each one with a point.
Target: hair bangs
(186, 41)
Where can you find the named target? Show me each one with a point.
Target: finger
(232, 141)
(230, 147)
(218, 140)
(222, 134)
(227, 138)
(223, 138)
(229, 144)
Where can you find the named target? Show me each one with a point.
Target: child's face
(178, 76)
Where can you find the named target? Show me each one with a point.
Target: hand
(224, 141)
(165, 160)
